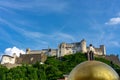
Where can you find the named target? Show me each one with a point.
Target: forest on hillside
(52, 69)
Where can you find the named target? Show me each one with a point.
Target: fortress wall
(69, 48)
(53, 52)
(68, 51)
(113, 58)
(8, 59)
(31, 58)
(76, 46)
(35, 52)
(98, 51)
(8, 65)
(65, 49)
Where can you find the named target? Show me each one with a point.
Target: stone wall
(8, 65)
(113, 58)
(31, 58)
(65, 49)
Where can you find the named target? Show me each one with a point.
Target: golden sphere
(93, 70)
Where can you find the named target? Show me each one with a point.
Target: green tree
(3, 71)
(53, 73)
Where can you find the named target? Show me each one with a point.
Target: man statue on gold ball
(93, 70)
(90, 53)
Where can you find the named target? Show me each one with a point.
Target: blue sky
(37, 24)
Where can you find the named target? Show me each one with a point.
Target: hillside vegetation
(52, 69)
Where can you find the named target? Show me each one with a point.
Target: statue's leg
(88, 56)
(92, 56)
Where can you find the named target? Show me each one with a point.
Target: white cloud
(5, 10)
(59, 36)
(113, 21)
(38, 37)
(11, 51)
(64, 35)
(32, 34)
(35, 5)
(118, 14)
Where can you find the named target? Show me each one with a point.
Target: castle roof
(8, 56)
(35, 52)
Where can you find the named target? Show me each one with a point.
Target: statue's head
(90, 44)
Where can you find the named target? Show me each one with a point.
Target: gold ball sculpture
(93, 70)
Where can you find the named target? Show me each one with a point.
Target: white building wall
(65, 49)
(7, 59)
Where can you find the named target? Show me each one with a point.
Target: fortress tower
(62, 50)
(27, 50)
(102, 47)
(83, 46)
(65, 49)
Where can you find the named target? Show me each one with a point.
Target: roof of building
(8, 56)
(76, 43)
(48, 49)
(35, 52)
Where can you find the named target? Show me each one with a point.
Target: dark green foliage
(3, 71)
(52, 69)
(53, 73)
(103, 60)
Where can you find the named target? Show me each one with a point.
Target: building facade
(31, 57)
(71, 48)
(8, 59)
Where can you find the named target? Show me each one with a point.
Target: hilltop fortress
(63, 49)
(69, 48)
